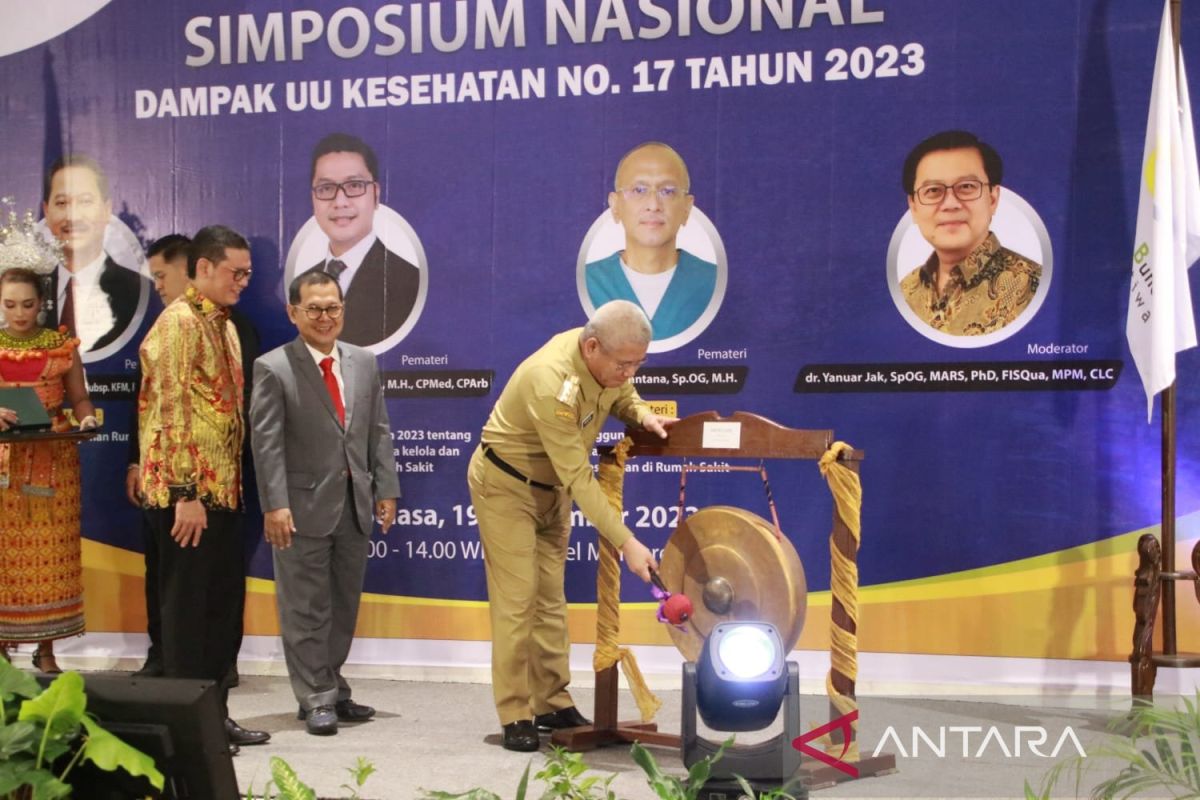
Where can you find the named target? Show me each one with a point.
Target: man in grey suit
(323, 454)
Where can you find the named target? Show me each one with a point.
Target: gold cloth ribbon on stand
(846, 488)
(608, 592)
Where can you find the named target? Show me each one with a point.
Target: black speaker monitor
(177, 722)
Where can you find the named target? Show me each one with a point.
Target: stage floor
(443, 736)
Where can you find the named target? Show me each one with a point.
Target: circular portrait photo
(369, 249)
(970, 263)
(101, 289)
(653, 247)
(387, 292)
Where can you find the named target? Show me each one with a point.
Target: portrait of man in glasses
(651, 200)
(970, 285)
(379, 286)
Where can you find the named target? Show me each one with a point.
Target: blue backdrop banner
(498, 126)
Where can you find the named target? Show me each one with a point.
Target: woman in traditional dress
(41, 584)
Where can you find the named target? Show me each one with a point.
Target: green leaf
(1166, 754)
(16, 683)
(289, 784)
(700, 772)
(471, 794)
(642, 757)
(698, 776)
(668, 789)
(19, 737)
(14, 775)
(108, 753)
(523, 786)
(55, 748)
(59, 707)
(1187, 755)
(48, 787)
(362, 770)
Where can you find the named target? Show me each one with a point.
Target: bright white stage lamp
(748, 651)
(741, 676)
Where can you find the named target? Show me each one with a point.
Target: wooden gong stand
(759, 438)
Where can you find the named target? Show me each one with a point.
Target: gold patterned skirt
(41, 574)
(41, 577)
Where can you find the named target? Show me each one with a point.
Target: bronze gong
(729, 563)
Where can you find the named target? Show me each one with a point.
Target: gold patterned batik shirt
(988, 290)
(190, 407)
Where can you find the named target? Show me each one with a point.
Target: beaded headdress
(22, 245)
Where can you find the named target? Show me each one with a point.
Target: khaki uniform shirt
(547, 420)
(988, 290)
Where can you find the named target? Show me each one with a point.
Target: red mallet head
(677, 609)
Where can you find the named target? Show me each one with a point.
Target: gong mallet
(675, 608)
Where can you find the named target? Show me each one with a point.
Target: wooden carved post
(1145, 609)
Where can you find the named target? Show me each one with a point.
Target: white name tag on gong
(722, 435)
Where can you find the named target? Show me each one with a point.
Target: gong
(732, 567)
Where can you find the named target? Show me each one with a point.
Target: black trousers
(201, 596)
(154, 656)
(153, 612)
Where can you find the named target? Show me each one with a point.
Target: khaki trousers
(525, 531)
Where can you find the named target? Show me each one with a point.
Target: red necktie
(66, 314)
(331, 384)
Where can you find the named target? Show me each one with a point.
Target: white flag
(1160, 322)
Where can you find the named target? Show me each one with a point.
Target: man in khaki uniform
(532, 462)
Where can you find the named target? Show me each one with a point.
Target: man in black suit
(380, 287)
(92, 295)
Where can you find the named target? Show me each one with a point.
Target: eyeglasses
(624, 366)
(640, 191)
(933, 193)
(314, 312)
(329, 190)
(239, 275)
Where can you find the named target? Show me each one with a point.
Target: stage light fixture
(741, 677)
(739, 683)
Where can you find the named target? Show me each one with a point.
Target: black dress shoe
(239, 735)
(320, 721)
(350, 711)
(521, 736)
(563, 718)
(347, 711)
(234, 749)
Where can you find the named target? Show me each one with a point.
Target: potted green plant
(46, 733)
(1155, 750)
(565, 777)
(285, 784)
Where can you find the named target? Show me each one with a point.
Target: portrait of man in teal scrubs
(651, 200)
